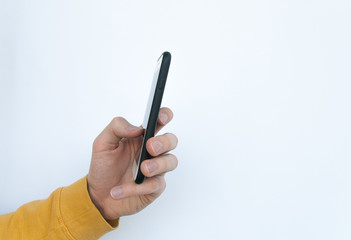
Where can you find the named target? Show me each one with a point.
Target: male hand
(115, 152)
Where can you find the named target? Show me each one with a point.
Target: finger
(159, 165)
(149, 186)
(118, 128)
(161, 144)
(165, 116)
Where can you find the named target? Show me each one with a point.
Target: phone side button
(160, 84)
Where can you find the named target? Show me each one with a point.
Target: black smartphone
(153, 109)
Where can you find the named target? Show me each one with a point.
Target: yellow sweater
(67, 214)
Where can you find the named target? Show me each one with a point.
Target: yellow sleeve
(67, 214)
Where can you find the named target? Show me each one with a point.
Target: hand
(115, 152)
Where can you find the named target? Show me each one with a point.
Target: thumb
(118, 128)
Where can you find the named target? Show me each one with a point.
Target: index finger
(118, 128)
(165, 116)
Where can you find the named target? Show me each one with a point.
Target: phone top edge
(165, 55)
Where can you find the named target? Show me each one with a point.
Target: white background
(260, 92)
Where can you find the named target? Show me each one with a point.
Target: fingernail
(156, 146)
(151, 166)
(131, 127)
(116, 192)
(163, 117)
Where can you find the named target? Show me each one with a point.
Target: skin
(115, 152)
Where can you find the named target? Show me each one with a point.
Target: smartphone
(153, 109)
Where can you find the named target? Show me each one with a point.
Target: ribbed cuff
(82, 220)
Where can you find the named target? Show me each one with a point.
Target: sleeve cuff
(82, 220)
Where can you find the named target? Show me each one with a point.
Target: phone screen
(152, 93)
(152, 109)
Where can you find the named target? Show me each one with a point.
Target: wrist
(94, 200)
(100, 206)
(78, 213)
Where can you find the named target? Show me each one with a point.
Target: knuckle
(97, 144)
(131, 191)
(116, 120)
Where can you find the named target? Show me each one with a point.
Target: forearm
(67, 214)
